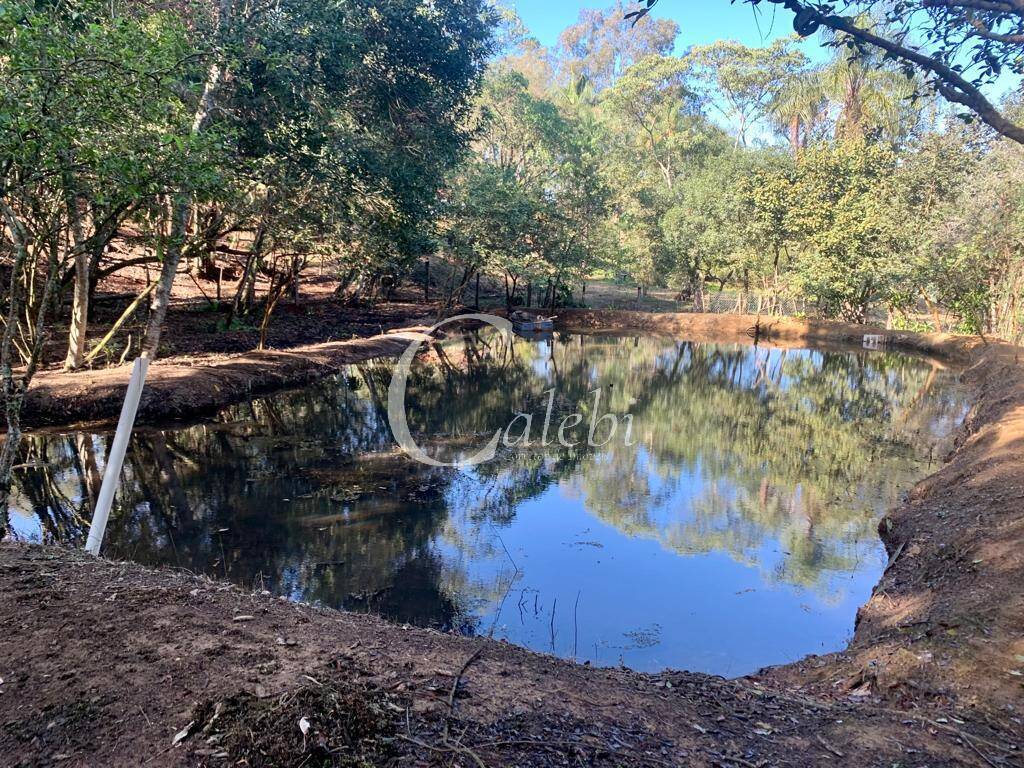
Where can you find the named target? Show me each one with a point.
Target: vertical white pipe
(112, 471)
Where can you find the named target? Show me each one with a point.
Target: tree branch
(948, 82)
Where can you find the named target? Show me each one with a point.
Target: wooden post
(426, 283)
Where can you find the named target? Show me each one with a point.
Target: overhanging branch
(948, 82)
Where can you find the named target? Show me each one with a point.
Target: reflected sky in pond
(737, 531)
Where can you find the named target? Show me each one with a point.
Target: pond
(732, 526)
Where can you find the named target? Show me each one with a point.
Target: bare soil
(203, 365)
(180, 388)
(107, 663)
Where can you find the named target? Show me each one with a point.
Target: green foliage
(525, 206)
(600, 47)
(742, 82)
(845, 210)
(625, 174)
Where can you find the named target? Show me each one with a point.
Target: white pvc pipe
(112, 471)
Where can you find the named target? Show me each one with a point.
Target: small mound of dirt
(319, 725)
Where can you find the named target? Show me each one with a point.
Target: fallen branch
(458, 678)
(118, 323)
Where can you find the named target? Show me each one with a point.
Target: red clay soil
(177, 389)
(112, 663)
(207, 373)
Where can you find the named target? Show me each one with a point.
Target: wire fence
(724, 302)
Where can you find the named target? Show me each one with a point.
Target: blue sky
(700, 21)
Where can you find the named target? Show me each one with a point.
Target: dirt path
(104, 663)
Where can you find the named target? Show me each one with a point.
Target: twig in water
(554, 605)
(507, 553)
(575, 624)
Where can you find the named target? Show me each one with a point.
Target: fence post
(118, 448)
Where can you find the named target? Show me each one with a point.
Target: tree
(654, 102)
(768, 198)
(965, 194)
(657, 134)
(846, 210)
(71, 166)
(741, 82)
(527, 205)
(798, 107)
(601, 46)
(315, 128)
(957, 46)
(870, 95)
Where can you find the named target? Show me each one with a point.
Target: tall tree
(741, 82)
(870, 94)
(958, 46)
(799, 107)
(71, 164)
(601, 46)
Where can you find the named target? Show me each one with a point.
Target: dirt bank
(188, 386)
(104, 663)
(771, 331)
(178, 389)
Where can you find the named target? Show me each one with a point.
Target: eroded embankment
(103, 663)
(200, 386)
(175, 390)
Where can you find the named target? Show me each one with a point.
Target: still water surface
(738, 531)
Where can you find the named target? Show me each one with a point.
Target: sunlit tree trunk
(181, 205)
(794, 134)
(79, 313)
(80, 303)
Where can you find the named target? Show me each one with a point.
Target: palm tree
(860, 91)
(868, 94)
(799, 106)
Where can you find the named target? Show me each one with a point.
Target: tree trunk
(79, 311)
(180, 208)
(162, 296)
(936, 320)
(14, 388)
(697, 284)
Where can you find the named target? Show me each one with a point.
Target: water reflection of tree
(303, 493)
(802, 449)
(806, 449)
(265, 496)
